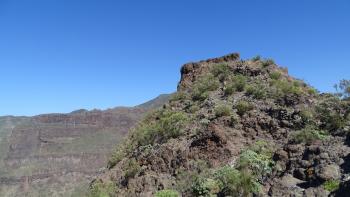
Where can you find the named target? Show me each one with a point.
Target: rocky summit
(235, 128)
(59, 154)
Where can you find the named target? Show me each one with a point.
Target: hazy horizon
(60, 56)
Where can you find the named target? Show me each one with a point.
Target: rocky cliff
(235, 128)
(59, 154)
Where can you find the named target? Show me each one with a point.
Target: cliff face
(59, 154)
(235, 128)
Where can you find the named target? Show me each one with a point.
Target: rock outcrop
(235, 128)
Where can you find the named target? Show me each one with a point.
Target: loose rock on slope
(235, 128)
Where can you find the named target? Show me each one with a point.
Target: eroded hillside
(235, 128)
(59, 154)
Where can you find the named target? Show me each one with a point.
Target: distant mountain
(59, 154)
(154, 103)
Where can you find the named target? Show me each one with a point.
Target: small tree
(343, 89)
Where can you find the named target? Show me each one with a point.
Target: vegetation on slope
(229, 131)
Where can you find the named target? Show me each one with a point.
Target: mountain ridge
(235, 128)
(58, 153)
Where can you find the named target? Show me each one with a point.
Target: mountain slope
(58, 154)
(235, 128)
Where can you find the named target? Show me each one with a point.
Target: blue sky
(62, 55)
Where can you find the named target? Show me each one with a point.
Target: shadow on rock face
(346, 165)
(310, 184)
(344, 190)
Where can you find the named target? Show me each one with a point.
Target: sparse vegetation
(131, 169)
(289, 110)
(186, 179)
(308, 135)
(226, 181)
(275, 75)
(257, 91)
(307, 116)
(222, 110)
(101, 189)
(256, 58)
(179, 96)
(236, 84)
(194, 108)
(243, 107)
(281, 88)
(203, 86)
(331, 185)
(267, 63)
(312, 91)
(157, 127)
(262, 147)
(205, 187)
(330, 113)
(257, 159)
(233, 182)
(167, 193)
(234, 119)
(117, 155)
(242, 179)
(166, 124)
(221, 71)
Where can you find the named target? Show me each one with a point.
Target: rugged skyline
(58, 56)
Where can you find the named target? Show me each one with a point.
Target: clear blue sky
(62, 55)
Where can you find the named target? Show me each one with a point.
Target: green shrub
(116, 157)
(242, 180)
(308, 135)
(331, 185)
(120, 152)
(259, 164)
(203, 86)
(100, 189)
(253, 165)
(329, 111)
(131, 169)
(256, 91)
(221, 71)
(188, 180)
(164, 125)
(243, 107)
(256, 58)
(333, 121)
(267, 63)
(307, 116)
(230, 89)
(205, 187)
(312, 91)
(297, 83)
(222, 110)
(226, 181)
(204, 121)
(262, 147)
(167, 193)
(237, 83)
(281, 88)
(200, 96)
(193, 109)
(275, 75)
(234, 119)
(235, 183)
(179, 96)
(240, 82)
